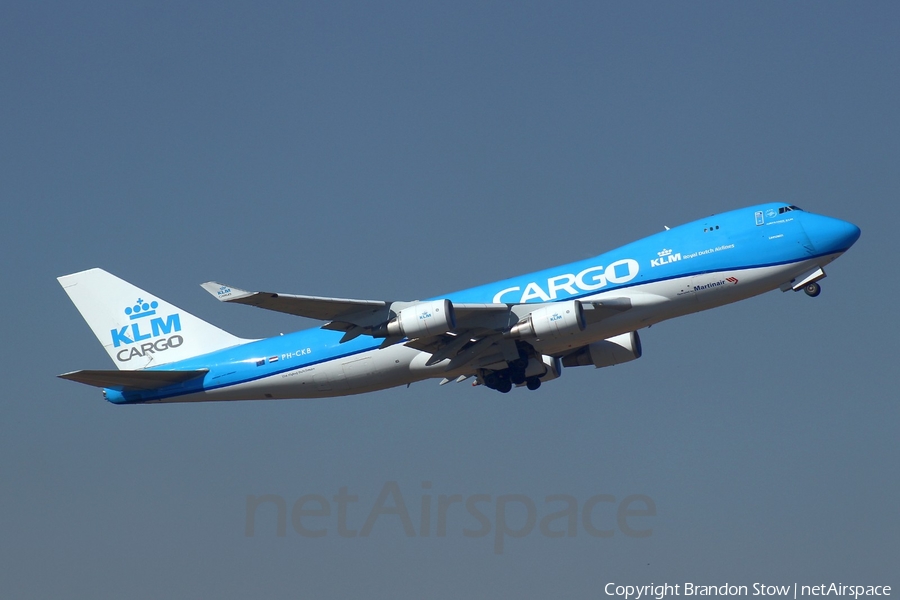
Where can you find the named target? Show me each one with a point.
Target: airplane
(519, 332)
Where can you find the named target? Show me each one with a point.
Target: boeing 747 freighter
(518, 332)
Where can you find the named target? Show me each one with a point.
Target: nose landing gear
(812, 289)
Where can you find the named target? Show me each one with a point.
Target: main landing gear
(501, 381)
(515, 374)
(498, 380)
(812, 289)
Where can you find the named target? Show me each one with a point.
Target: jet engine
(553, 321)
(606, 353)
(423, 319)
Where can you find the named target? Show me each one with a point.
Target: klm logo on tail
(151, 333)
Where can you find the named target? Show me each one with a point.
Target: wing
(594, 312)
(479, 334)
(312, 307)
(354, 317)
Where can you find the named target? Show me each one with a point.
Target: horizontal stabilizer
(133, 380)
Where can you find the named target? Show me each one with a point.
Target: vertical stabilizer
(137, 328)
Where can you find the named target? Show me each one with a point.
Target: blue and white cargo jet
(517, 332)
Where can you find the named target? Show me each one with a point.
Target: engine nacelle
(553, 321)
(423, 319)
(606, 353)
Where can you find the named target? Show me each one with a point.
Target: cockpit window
(785, 209)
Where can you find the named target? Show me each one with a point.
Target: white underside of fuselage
(398, 365)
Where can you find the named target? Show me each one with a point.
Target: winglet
(225, 293)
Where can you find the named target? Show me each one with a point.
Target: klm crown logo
(147, 332)
(141, 309)
(665, 257)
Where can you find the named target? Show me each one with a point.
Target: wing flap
(133, 380)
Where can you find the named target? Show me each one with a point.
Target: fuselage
(689, 268)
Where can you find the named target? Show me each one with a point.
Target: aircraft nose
(831, 235)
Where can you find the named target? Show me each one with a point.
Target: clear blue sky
(392, 150)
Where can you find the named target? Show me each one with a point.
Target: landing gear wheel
(491, 380)
(812, 290)
(533, 383)
(504, 386)
(517, 375)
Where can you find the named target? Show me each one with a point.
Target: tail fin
(138, 329)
